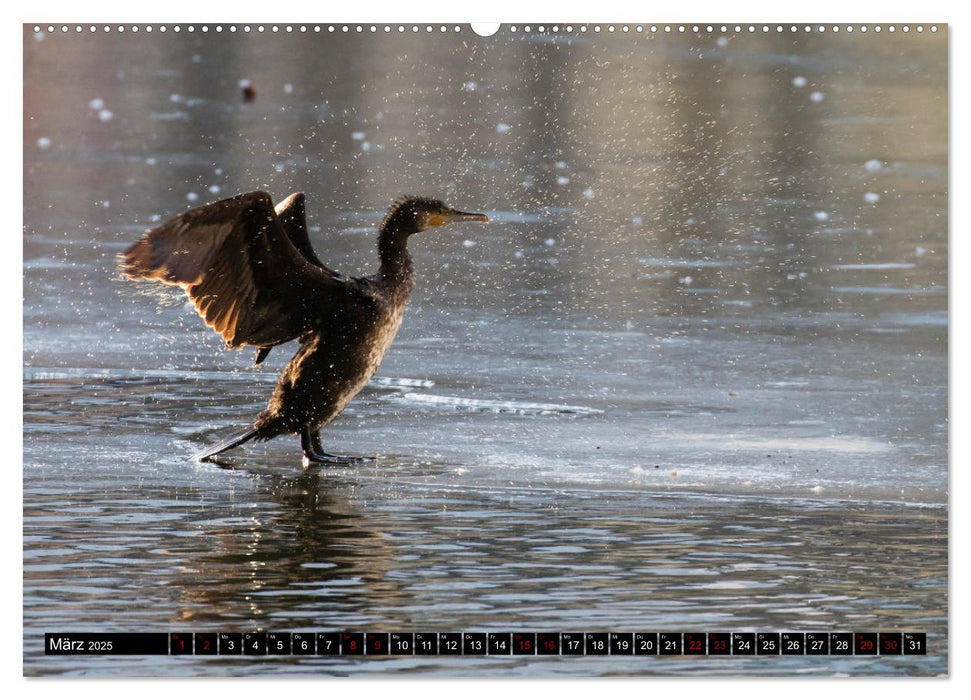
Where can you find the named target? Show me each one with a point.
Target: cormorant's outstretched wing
(242, 271)
(292, 213)
(293, 217)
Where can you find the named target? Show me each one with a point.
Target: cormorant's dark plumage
(253, 276)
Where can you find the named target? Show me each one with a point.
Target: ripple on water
(523, 408)
(684, 263)
(42, 374)
(918, 291)
(874, 266)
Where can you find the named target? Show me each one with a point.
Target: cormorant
(253, 276)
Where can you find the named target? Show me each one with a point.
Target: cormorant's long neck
(397, 271)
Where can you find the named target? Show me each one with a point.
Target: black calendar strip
(486, 644)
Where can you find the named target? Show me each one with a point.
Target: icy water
(692, 377)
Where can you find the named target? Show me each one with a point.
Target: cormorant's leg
(312, 451)
(310, 454)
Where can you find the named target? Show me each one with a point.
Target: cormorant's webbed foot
(353, 459)
(319, 449)
(317, 458)
(313, 452)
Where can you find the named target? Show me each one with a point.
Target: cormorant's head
(413, 214)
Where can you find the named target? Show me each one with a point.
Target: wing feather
(248, 275)
(292, 213)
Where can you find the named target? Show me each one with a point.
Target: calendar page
(531, 349)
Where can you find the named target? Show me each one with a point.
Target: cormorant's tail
(227, 444)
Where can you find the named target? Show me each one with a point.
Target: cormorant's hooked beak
(467, 216)
(452, 216)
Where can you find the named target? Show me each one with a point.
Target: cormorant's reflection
(313, 562)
